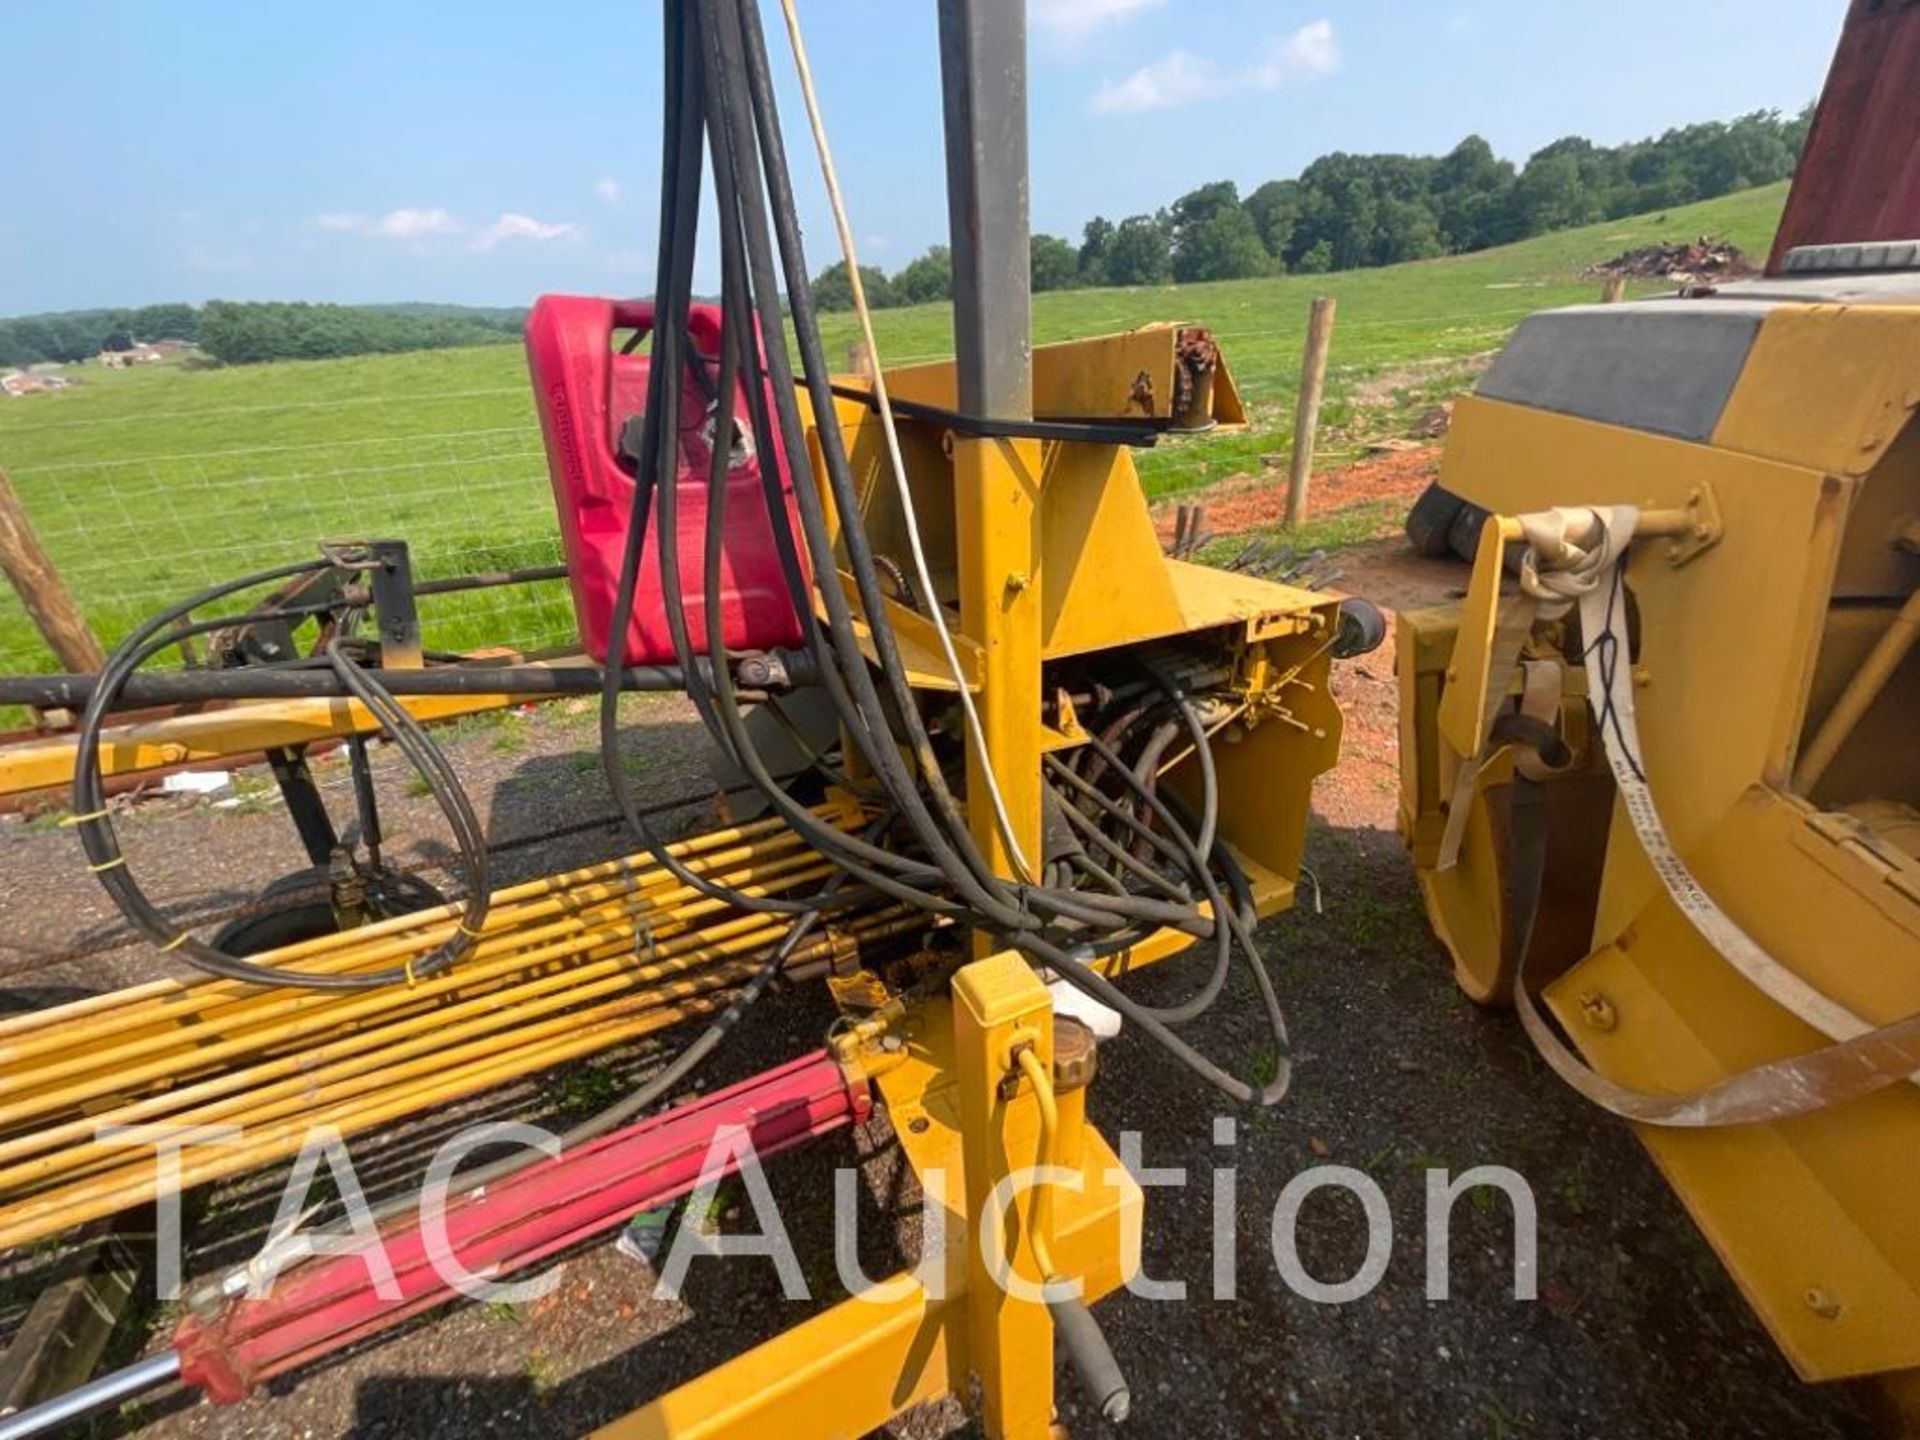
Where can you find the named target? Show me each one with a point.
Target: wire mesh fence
(146, 489)
(132, 533)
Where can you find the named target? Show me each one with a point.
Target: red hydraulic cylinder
(327, 1304)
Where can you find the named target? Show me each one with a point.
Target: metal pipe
(72, 692)
(489, 579)
(94, 1396)
(983, 73)
(1862, 690)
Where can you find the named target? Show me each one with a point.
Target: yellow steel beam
(997, 506)
(241, 729)
(837, 1375)
(1000, 1006)
(854, 1368)
(1132, 374)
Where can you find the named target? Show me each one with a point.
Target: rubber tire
(313, 918)
(1463, 536)
(1430, 522)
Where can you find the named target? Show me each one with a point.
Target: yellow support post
(997, 500)
(1000, 1007)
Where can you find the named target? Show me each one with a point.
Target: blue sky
(484, 152)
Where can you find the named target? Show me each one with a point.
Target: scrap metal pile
(1703, 261)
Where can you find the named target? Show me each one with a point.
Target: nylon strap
(1865, 1061)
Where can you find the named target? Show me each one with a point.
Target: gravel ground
(1636, 1331)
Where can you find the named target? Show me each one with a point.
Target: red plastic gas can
(586, 393)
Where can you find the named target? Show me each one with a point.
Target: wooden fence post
(1613, 290)
(1313, 384)
(41, 590)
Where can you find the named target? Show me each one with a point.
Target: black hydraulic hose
(1237, 919)
(1121, 856)
(730, 736)
(1202, 753)
(109, 863)
(679, 215)
(847, 851)
(741, 62)
(746, 147)
(1202, 1000)
(752, 60)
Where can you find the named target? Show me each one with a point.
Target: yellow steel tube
(478, 1068)
(501, 956)
(1862, 690)
(60, 1210)
(1041, 1216)
(353, 949)
(169, 1014)
(436, 924)
(997, 538)
(490, 964)
(304, 1022)
(300, 1081)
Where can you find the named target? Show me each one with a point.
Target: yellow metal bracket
(1491, 632)
(1696, 530)
(954, 1329)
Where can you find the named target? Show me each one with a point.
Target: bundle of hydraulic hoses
(564, 967)
(720, 100)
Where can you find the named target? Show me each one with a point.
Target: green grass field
(149, 484)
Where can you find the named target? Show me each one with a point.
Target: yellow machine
(1104, 715)
(1657, 769)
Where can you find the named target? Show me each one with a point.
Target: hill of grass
(148, 484)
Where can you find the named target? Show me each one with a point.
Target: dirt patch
(1235, 506)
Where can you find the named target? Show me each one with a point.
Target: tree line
(1351, 212)
(1343, 212)
(245, 332)
(236, 333)
(73, 335)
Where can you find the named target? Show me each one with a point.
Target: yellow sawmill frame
(1055, 555)
(1051, 551)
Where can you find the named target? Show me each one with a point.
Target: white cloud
(511, 226)
(403, 224)
(413, 224)
(608, 189)
(1181, 78)
(1175, 79)
(1310, 50)
(1072, 20)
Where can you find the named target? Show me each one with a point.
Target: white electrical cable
(1023, 870)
